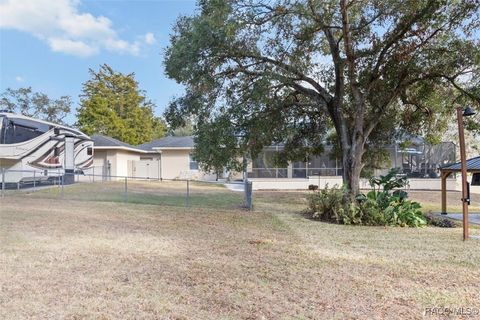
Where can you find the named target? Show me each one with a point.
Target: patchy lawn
(108, 260)
(169, 193)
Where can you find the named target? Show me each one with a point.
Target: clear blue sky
(50, 44)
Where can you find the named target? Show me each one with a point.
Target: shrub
(405, 213)
(381, 206)
(326, 204)
(351, 214)
(371, 213)
(440, 221)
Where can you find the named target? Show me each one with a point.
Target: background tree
(112, 104)
(186, 129)
(216, 146)
(160, 128)
(286, 71)
(36, 104)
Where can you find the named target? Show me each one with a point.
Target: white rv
(29, 145)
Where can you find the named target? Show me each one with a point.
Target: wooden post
(445, 175)
(463, 160)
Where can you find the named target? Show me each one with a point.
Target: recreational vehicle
(32, 149)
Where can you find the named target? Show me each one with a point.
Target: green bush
(405, 213)
(383, 205)
(326, 204)
(371, 213)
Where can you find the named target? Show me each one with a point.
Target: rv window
(23, 130)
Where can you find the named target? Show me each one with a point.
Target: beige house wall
(101, 158)
(175, 164)
(122, 160)
(118, 160)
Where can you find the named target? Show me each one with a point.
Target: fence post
(248, 195)
(34, 181)
(62, 180)
(187, 203)
(3, 182)
(93, 174)
(126, 190)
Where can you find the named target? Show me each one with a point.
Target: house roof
(169, 143)
(103, 142)
(473, 164)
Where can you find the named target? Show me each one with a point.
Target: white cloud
(60, 24)
(19, 79)
(150, 38)
(75, 47)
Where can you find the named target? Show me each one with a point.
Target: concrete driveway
(472, 217)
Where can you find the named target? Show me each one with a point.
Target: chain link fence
(123, 189)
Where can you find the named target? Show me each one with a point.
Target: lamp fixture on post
(467, 112)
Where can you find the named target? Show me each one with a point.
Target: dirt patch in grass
(87, 259)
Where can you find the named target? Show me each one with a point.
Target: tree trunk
(352, 167)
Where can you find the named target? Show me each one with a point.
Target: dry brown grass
(94, 260)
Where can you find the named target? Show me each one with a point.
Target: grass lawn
(169, 193)
(76, 259)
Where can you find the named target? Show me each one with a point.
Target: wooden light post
(463, 159)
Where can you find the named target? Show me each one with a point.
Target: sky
(50, 45)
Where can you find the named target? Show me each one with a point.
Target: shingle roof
(100, 140)
(169, 142)
(473, 164)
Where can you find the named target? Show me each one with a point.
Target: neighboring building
(416, 159)
(113, 157)
(176, 158)
(171, 158)
(166, 158)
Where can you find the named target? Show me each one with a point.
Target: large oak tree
(286, 71)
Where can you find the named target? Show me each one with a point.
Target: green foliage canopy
(287, 71)
(36, 104)
(112, 104)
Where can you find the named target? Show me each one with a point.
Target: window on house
(193, 163)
